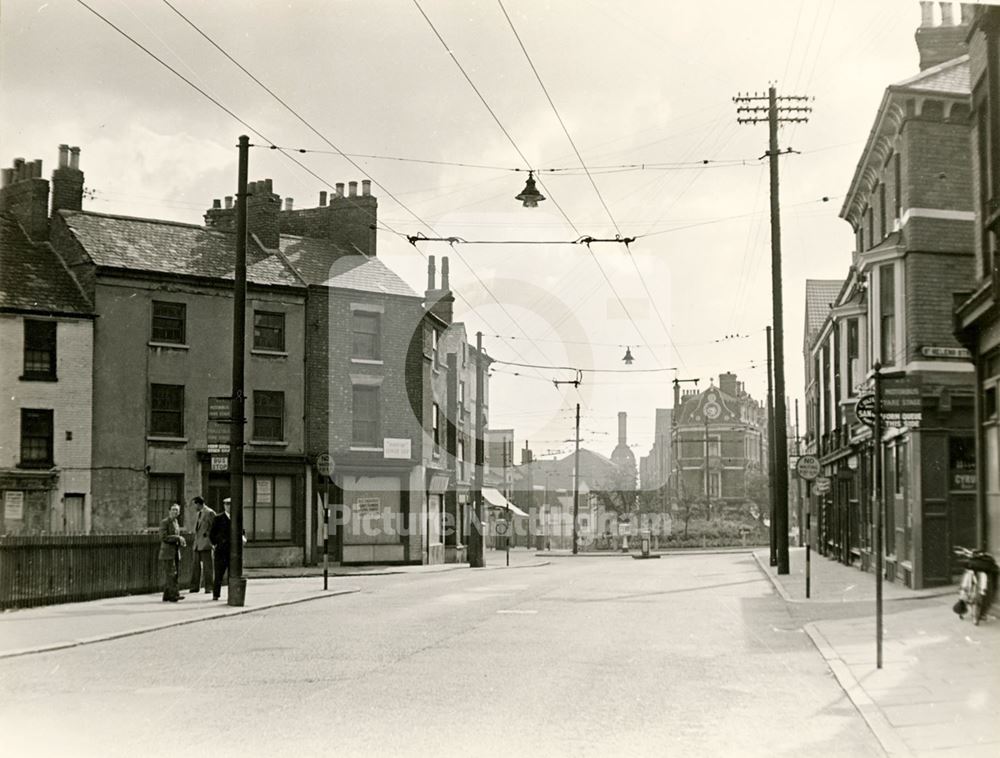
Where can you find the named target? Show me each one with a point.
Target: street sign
(821, 485)
(220, 462)
(808, 467)
(864, 409)
(324, 465)
(501, 527)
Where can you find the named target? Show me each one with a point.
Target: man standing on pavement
(201, 565)
(171, 543)
(220, 536)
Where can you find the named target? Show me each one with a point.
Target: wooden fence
(49, 569)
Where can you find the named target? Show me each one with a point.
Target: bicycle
(978, 586)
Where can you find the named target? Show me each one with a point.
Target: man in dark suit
(201, 565)
(171, 543)
(220, 536)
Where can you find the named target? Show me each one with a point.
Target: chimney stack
(25, 196)
(322, 198)
(728, 384)
(67, 183)
(431, 273)
(622, 437)
(945, 41)
(439, 301)
(262, 213)
(445, 284)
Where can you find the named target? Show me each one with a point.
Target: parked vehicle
(979, 582)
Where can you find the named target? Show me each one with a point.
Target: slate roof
(320, 262)
(159, 246)
(819, 294)
(950, 77)
(33, 278)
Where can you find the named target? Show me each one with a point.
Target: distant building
(46, 375)
(719, 441)
(655, 468)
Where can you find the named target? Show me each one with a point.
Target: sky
(631, 102)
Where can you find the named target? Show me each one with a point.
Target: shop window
(169, 322)
(365, 416)
(167, 410)
(269, 331)
(36, 438)
(990, 402)
(164, 490)
(268, 515)
(962, 464)
(39, 349)
(268, 416)
(366, 335)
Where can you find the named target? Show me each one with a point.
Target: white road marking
(515, 610)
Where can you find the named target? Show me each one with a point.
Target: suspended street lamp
(530, 196)
(628, 359)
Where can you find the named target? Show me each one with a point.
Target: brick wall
(346, 221)
(929, 281)
(936, 167)
(27, 201)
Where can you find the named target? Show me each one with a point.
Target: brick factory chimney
(942, 42)
(622, 428)
(24, 195)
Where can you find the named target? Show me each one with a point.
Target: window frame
(259, 329)
(155, 512)
(887, 312)
(267, 415)
(374, 393)
(35, 342)
(162, 412)
(254, 534)
(163, 337)
(373, 351)
(28, 431)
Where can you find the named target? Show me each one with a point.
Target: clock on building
(711, 411)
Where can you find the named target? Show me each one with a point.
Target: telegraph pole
(477, 558)
(576, 480)
(237, 583)
(776, 114)
(770, 454)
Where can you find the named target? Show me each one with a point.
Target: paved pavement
(938, 691)
(54, 627)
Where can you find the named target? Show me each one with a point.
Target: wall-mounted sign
(396, 448)
(367, 506)
(929, 351)
(821, 485)
(808, 467)
(263, 491)
(13, 505)
(220, 462)
(219, 413)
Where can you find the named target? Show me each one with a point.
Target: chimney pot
(229, 202)
(36, 168)
(268, 187)
(74, 158)
(444, 273)
(352, 189)
(431, 272)
(289, 203)
(322, 198)
(339, 187)
(18, 169)
(926, 13)
(366, 187)
(63, 156)
(6, 176)
(217, 203)
(947, 17)
(968, 11)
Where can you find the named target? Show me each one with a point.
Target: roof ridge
(143, 219)
(932, 71)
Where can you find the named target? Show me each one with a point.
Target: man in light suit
(201, 564)
(171, 543)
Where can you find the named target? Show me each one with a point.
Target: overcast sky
(644, 82)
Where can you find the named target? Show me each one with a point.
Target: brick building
(342, 358)
(719, 439)
(976, 315)
(910, 205)
(46, 392)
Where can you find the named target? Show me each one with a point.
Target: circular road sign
(501, 527)
(865, 410)
(324, 464)
(807, 467)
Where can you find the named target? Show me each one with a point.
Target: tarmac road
(686, 655)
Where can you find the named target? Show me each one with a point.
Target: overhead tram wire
(249, 127)
(349, 160)
(597, 191)
(527, 163)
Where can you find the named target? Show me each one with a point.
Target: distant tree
(759, 493)
(617, 493)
